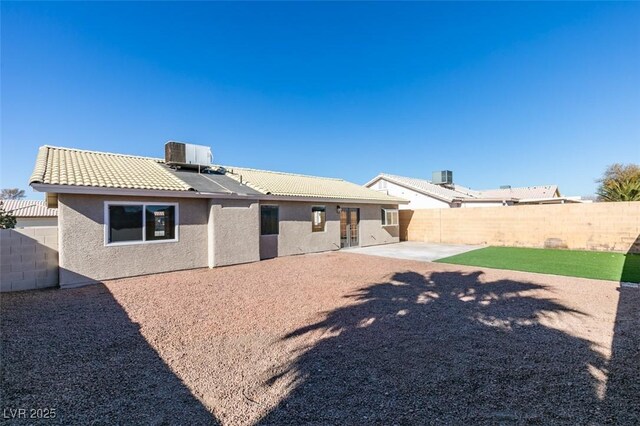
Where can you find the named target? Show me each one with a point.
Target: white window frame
(324, 227)
(144, 205)
(397, 215)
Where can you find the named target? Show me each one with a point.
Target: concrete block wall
(28, 258)
(596, 226)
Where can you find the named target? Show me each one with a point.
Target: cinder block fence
(28, 258)
(596, 226)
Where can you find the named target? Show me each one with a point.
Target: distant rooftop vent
(187, 155)
(505, 186)
(442, 177)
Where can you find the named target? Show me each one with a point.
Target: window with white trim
(131, 223)
(318, 218)
(389, 217)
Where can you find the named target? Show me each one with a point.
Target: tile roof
(459, 192)
(67, 166)
(465, 191)
(28, 208)
(75, 167)
(542, 191)
(296, 185)
(423, 186)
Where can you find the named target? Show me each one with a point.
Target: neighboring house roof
(28, 208)
(297, 185)
(90, 169)
(76, 167)
(554, 200)
(544, 191)
(420, 185)
(461, 193)
(466, 191)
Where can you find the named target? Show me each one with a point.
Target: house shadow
(623, 384)
(76, 351)
(631, 267)
(442, 348)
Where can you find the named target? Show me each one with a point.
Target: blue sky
(500, 93)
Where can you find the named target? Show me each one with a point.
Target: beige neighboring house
(30, 213)
(123, 215)
(425, 194)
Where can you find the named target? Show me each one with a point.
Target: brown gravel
(335, 338)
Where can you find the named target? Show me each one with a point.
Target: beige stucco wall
(295, 229)
(234, 232)
(594, 226)
(371, 230)
(296, 236)
(28, 258)
(24, 222)
(84, 257)
(211, 233)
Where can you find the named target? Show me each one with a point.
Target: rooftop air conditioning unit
(187, 155)
(442, 177)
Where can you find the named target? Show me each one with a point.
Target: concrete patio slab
(426, 252)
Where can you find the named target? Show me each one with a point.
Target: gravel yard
(334, 338)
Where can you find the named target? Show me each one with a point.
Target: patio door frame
(348, 239)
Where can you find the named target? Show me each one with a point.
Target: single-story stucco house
(29, 213)
(443, 193)
(123, 215)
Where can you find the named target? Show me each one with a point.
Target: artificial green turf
(573, 263)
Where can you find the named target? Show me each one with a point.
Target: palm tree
(12, 194)
(620, 183)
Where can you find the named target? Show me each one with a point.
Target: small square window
(389, 217)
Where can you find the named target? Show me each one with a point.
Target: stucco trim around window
(144, 206)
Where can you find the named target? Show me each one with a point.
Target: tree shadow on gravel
(445, 348)
(77, 351)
